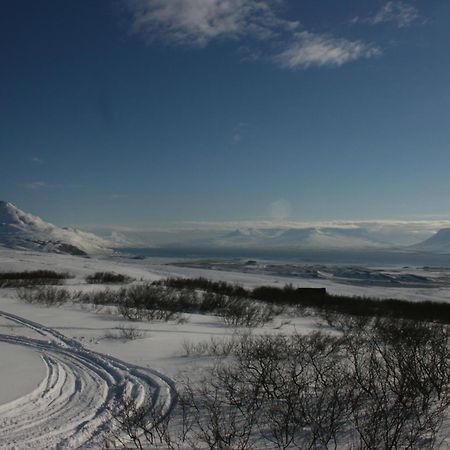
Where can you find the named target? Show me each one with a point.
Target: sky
(137, 112)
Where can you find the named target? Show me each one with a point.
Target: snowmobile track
(70, 408)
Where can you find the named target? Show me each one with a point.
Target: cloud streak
(398, 12)
(40, 185)
(37, 160)
(35, 185)
(309, 49)
(255, 25)
(195, 23)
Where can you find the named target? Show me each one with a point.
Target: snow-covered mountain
(438, 243)
(21, 230)
(295, 238)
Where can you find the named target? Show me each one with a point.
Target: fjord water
(357, 257)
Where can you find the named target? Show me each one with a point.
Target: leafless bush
(98, 298)
(126, 333)
(140, 313)
(344, 322)
(32, 278)
(243, 312)
(47, 296)
(137, 426)
(214, 346)
(384, 385)
(401, 384)
(108, 278)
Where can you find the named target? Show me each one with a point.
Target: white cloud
(255, 25)
(34, 185)
(399, 12)
(310, 49)
(397, 232)
(198, 22)
(37, 160)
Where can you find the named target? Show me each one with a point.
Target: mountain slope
(438, 243)
(294, 238)
(24, 231)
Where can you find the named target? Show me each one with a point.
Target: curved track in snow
(71, 406)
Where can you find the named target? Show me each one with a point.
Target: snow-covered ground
(69, 406)
(61, 366)
(21, 370)
(61, 361)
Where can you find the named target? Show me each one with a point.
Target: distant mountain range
(438, 243)
(315, 238)
(21, 230)
(295, 238)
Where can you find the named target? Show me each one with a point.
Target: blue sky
(151, 111)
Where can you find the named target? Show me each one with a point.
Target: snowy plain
(38, 344)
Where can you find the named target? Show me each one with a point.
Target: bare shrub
(401, 384)
(138, 426)
(147, 302)
(47, 296)
(97, 298)
(218, 347)
(108, 278)
(243, 312)
(382, 385)
(126, 333)
(32, 278)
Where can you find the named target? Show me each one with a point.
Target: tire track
(71, 406)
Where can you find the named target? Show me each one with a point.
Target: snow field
(79, 371)
(71, 406)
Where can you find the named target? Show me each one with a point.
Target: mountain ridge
(438, 243)
(292, 238)
(21, 230)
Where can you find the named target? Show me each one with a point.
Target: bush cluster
(32, 278)
(44, 295)
(237, 306)
(384, 385)
(203, 284)
(108, 278)
(155, 302)
(319, 300)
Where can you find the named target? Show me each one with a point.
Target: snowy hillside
(21, 230)
(438, 243)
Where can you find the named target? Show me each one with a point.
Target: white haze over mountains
(19, 229)
(266, 234)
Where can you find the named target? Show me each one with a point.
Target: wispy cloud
(37, 185)
(257, 26)
(396, 232)
(398, 12)
(34, 185)
(309, 49)
(37, 160)
(198, 22)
